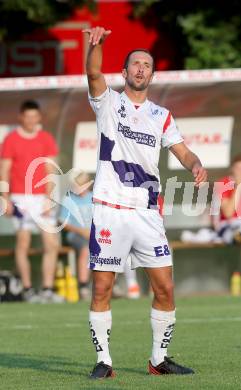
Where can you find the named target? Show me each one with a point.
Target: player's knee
(165, 291)
(101, 290)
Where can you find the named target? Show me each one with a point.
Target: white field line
(81, 324)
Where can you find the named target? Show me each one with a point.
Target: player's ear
(124, 73)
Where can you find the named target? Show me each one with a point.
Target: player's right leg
(110, 243)
(100, 322)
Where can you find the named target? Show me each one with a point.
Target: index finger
(201, 177)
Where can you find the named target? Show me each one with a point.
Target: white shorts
(31, 208)
(116, 233)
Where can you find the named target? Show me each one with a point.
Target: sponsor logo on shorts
(104, 261)
(104, 236)
(162, 250)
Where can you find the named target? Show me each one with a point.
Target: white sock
(130, 274)
(100, 328)
(162, 323)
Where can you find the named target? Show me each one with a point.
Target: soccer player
(131, 130)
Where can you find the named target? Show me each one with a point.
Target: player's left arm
(190, 161)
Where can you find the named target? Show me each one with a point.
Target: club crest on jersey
(104, 236)
(121, 111)
(154, 112)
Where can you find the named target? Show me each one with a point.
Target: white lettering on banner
(209, 138)
(85, 147)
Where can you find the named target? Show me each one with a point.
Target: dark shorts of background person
(76, 241)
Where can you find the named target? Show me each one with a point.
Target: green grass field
(48, 346)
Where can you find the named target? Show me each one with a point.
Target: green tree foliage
(18, 17)
(211, 46)
(205, 34)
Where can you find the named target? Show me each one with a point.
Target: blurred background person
(76, 213)
(20, 148)
(228, 222)
(133, 288)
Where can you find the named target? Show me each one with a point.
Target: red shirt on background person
(22, 150)
(31, 207)
(231, 199)
(228, 199)
(228, 222)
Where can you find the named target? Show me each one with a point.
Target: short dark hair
(29, 105)
(135, 50)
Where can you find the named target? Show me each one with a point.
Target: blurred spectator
(133, 289)
(76, 213)
(27, 203)
(228, 223)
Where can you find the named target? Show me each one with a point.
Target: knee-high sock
(100, 328)
(162, 323)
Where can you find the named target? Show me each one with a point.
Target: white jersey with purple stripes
(129, 143)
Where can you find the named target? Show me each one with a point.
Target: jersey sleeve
(170, 135)
(50, 146)
(7, 148)
(100, 103)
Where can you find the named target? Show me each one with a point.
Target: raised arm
(96, 80)
(190, 161)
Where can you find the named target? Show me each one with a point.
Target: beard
(137, 87)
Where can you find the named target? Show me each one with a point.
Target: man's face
(138, 74)
(30, 119)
